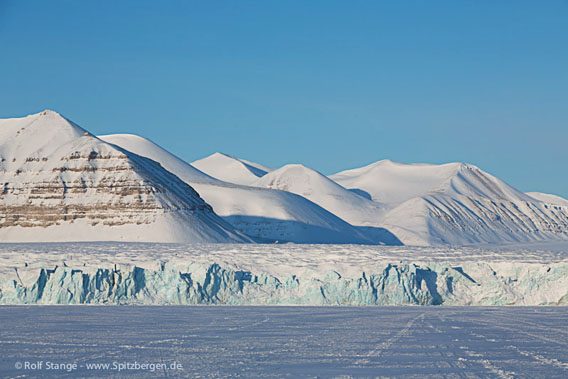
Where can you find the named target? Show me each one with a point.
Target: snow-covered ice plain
(208, 341)
(254, 274)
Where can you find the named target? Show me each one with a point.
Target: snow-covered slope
(454, 203)
(548, 198)
(269, 215)
(392, 182)
(139, 144)
(230, 169)
(316, 187)
(60, 183)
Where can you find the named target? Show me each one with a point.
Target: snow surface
(472, 342)
(266, 214)
(136, 273)
(549, 198)
(230, 169)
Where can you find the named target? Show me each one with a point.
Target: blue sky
(333, 85)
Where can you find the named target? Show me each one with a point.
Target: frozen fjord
(149, 273)
(209, 341)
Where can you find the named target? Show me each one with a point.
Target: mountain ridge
(56, 176)
(266, 214)
(453, 203)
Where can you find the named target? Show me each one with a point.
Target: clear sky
(331, 84)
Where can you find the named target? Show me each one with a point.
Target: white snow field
(148, 273)
(401, 342)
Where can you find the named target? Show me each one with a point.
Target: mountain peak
(53, 120)
(297, 166)
(230, 169)
(298, 179)
(393, 182)
(49, 112)
(390, 162)
(313, 185)
(221, 154)
(37, 135)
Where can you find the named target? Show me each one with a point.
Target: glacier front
(149, 273)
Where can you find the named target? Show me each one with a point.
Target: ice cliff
(197, 283)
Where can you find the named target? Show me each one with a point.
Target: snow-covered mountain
(230, 169)
(61, 183)
(323, 191)
(392, 182)
(266, 214)
(454, 203)
(144, 147)
(58, 182)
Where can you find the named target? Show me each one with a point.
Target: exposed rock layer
(73, 176)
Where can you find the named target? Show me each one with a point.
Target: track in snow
(282, 341)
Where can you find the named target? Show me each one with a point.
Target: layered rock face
(57, 179)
